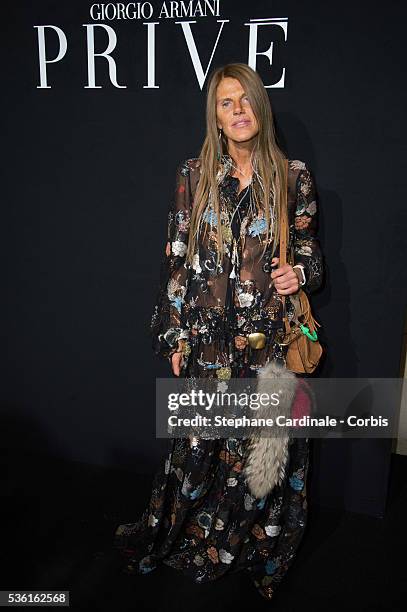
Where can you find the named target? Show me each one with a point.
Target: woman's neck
(242, 161)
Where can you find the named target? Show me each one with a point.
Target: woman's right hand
(177, 359)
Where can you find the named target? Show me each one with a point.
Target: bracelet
(304, 280)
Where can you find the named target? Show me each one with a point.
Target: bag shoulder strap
(284, 219)
(284, 236)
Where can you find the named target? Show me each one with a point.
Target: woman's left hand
(285, 278)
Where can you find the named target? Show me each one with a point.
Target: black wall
(85, 169)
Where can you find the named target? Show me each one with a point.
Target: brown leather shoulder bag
(304, 350)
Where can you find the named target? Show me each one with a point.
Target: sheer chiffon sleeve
(167, 324)
(307, 249)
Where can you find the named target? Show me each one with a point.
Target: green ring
(305, 330)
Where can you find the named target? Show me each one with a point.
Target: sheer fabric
(194, 302)
(201, 517)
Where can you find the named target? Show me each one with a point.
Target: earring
(219, 144)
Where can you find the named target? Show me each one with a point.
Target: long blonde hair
(268, 161)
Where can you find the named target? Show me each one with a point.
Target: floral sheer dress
(209, 305)
(201, 518)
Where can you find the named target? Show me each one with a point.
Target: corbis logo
(150, 17)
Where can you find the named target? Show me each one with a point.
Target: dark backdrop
(84, 170)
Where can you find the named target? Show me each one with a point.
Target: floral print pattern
(209, 304)
(201, 517)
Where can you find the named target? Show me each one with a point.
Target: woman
(221, 282)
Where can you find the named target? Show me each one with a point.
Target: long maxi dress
(201, 518)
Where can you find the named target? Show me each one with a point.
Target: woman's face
(233, 111)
